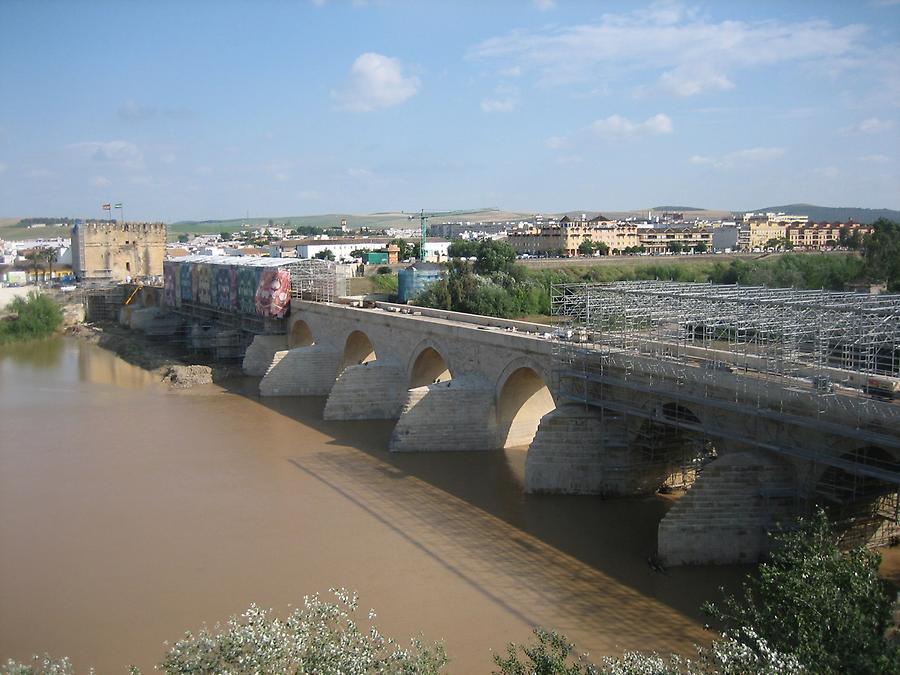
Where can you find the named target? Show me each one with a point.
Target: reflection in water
(94, 365)
(129, 515)
(44, 353)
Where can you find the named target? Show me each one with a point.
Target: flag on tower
(118, 206)
(106, 207)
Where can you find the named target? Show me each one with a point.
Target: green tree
(182, 238)
(405, 248)
(700, 247)
(586, 247)
(826, 607)
(35, 257)
(463, 248)
(882, 253)
(675, 246)
(494, 256)
(327, 254)
(36, 316)
(225, 236)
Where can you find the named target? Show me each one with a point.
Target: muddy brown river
(130, 513)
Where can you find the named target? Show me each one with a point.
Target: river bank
(165, 359)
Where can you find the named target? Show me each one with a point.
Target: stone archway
(358, 349)
(522, 401)
(429, 367)
(301, 335)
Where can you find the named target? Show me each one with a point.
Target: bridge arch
(522, 399)
(300, 335)
(428, 366)
(671, 455)
(358, 349)
(863, 509)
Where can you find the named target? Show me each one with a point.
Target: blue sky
(214, 109)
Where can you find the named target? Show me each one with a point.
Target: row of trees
(39, 257)
(810, 609)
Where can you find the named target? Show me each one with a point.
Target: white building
(435, 250)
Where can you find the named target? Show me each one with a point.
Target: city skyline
(213, 111)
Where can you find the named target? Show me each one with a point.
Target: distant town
(134, 250)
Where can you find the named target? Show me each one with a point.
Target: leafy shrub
(827, 607)
(319, 637)
(553, 654)
(38, 316)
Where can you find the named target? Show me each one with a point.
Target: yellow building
(663, 239)
(118, 251)
(817, 236)
(565, 236)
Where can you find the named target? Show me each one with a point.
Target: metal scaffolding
(802, 359)
(314, 280)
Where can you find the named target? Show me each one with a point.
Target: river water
(130, 513)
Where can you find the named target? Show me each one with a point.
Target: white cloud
(876, 159)
(870, 125)
(691, 79)
(100, 182)
(738, 157)
(829, 172)
(490, 105)
(376, 81)
(616, 127)
(122, 153)
(556, 142)
(672, 47)
(544, 5)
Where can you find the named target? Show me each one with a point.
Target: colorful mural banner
(169, 284)
(273, 294)
(259, 291)
(186, 282)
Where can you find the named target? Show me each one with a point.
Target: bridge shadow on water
(577, 564)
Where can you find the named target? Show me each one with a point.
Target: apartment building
(665, 239)
(565, 236)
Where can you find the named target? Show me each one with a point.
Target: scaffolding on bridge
(313, 279)
(803, 359)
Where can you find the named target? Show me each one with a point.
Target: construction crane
(423, 219)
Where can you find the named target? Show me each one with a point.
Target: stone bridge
(457, 382)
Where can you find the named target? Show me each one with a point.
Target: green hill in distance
(397, 219)
(833, 213)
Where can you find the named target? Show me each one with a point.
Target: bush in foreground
(827, 607)
(553, 654)
(37, 316)
(320, 637)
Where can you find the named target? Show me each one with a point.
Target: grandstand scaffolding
(314, 279)
(812, 359)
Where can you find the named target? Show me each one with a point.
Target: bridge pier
(302, 371)
(579, 450)
(369, 391)
(725, 516)
(458, 414)
(261, 352)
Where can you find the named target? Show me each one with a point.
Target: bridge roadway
(461, 382)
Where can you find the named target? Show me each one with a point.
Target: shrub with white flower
(320, 637)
